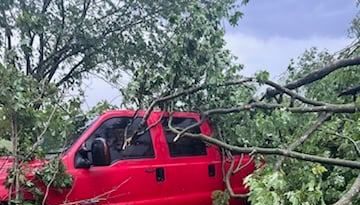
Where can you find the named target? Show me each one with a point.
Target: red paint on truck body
(133, 181)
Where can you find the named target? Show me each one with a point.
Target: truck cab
(152, 169)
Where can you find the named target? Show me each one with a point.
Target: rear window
(185, 146)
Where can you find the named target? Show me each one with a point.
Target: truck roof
(129, 112)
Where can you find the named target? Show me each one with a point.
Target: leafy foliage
(278, 188)
(35, 120)
(310, 184)
(193, 54)
(220, 197)
(54, 175)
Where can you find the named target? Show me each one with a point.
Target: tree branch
(8, 35)
(51, 72)
(98, 198)
(323, 117)
(46, 4)
(53, 56)
(357, 149)
(61, 7)
(320, 106)
(53, 177)
(228, 184)
(271, 151)
(282, 89)
(317, 75)
(70, 73)
(40, 138)
(351, 193)
(343, 108)
(41, 69)
(181, 93)
(29, 54)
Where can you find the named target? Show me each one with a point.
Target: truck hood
(6, 163)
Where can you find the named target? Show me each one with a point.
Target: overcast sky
(270, 34)
(273, 32)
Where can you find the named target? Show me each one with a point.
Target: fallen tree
(290, 102)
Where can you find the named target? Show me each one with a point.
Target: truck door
(134, 176)
(192, 169)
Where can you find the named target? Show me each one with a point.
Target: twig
(357, 149)
(323, 117)
(228, 184)
(127, 140)
(98, 197)
(223, 152)
(40, 138)
(14, 138)
(153, 124)
(349, 50)
(50, 183)
(202, 120)
(239, 163)
(245, 165)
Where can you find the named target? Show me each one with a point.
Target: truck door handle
(211, 170)
(160, 174)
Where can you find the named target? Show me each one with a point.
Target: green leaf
(234, 19)
(262, 76)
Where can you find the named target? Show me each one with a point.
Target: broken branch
(305, 136)
(271, 151)
(317, 75)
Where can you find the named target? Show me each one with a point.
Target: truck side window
(113, 131)
(185, 146)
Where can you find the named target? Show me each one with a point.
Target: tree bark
(16, 169)
(351, 194)
(317, 75)
(305, 136)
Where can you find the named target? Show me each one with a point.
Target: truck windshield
(69, 141)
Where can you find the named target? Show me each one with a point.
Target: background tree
(193, 55)
(47, 46)
(62, 41)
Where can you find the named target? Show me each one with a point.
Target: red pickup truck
(152, 170)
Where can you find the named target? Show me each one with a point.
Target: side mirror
(100, 153)
(83, 152)
(82, 163)
(82, 160)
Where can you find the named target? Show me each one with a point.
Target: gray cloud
(274, 54)
(296, 18)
